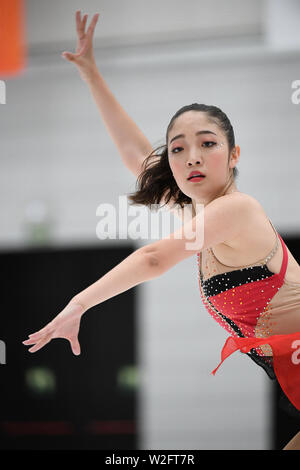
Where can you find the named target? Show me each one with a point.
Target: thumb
(75, 346)
(69, 56)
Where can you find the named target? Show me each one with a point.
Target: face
(206, 153)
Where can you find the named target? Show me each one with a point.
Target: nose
(193, 159)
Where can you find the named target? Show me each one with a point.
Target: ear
(235, 156)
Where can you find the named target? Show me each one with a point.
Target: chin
(187, 193)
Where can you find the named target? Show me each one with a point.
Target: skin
(294, 444)
(217, 166)
(84, 57)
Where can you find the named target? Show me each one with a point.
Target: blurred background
(143, 378)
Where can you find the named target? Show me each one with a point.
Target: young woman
(248, 279)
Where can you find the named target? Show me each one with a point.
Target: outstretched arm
(218, 222)
(138, 267)
(131, 143)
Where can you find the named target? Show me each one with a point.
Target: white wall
(54, 147)
(141, 21)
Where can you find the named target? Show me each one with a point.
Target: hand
(84, 56)
(64, 325)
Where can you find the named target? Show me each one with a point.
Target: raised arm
(131, 143)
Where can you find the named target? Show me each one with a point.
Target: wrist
(89, 72)
(77, 306)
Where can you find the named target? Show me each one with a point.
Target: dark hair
(156, 181)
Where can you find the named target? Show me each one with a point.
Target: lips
(195, 174)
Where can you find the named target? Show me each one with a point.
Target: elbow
(152, 261)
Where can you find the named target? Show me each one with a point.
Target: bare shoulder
(241, 201)
(236, 215)
(245, 204)
(238, 204)
(256, 235)
(245, 199)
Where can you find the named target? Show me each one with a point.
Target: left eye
(214, 143)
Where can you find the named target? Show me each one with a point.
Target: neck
(230, 189)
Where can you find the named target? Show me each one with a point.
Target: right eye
(175, 148)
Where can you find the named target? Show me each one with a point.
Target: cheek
(217, 162)
(176, 167)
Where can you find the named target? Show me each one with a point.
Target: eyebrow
(197, 133)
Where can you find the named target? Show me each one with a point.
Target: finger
(78, 21)
(84, 23)
(46, 330)
(69, 56)
(38, 333)
(35, 336)
(93, 23)
(40, 344)
(75, 346)
(29, 341)
(80, 24)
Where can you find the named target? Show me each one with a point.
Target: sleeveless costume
(261, 312)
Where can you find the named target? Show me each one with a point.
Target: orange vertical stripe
(12, 37)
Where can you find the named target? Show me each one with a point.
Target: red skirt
(286, 359)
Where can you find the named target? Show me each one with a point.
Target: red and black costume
(261, 312)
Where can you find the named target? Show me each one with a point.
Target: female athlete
(248, 279)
